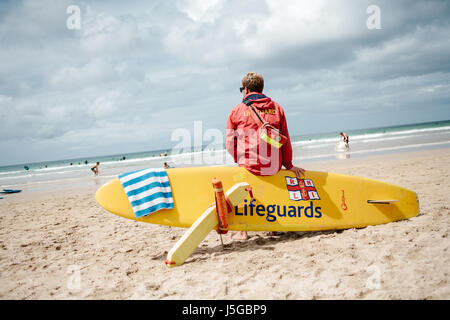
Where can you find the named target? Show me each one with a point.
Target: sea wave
(318, 147)
(371, 137)
(328, 155)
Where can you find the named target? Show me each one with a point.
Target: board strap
(382, 201)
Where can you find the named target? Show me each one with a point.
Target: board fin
(382, 201)
(202, 226)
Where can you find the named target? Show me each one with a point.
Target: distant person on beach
(95, 168)
(166, 166)
(250, 149)
(344, 137)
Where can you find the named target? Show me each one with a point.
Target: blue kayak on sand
(10, 191)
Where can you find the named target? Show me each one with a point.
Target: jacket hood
(259, 100)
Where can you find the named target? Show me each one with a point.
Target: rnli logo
(301, 189)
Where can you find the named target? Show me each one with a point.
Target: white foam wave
(418, 145)
(11, 172)
(370, 136)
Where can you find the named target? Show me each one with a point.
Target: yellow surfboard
(318, 201)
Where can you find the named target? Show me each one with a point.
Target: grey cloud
(137, 71)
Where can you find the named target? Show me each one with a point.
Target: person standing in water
(344, 137)
(95, 168)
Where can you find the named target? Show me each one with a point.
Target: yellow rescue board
(319, 201)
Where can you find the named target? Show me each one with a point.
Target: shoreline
(62, 245)
(65, 176)
(90, 184)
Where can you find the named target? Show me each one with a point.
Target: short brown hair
(253, 82)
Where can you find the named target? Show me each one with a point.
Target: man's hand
(298, 171)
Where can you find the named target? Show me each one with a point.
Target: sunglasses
(241, 89)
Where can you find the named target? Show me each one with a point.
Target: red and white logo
(301, 189)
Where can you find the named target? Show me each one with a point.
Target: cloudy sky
(135, 71)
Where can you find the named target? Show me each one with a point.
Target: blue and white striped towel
(148, 190)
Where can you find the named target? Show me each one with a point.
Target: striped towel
(148, 190)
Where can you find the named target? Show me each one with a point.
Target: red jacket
(242, 140)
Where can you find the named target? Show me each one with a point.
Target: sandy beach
(62, 245)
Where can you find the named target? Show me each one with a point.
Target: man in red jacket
(243, 136)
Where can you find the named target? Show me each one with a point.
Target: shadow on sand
(256, 241)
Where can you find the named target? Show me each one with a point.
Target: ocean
(306, 148)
